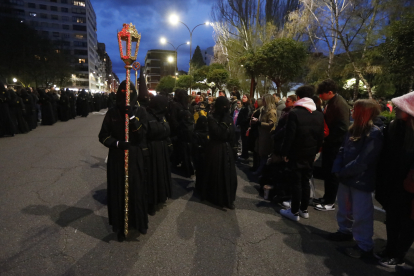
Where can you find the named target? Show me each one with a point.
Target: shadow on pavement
(216, 254)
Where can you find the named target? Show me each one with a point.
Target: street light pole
(163, 41)
(174, 19)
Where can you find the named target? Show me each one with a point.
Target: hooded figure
(182, 126)
(160, 148)
(64, 107)
(219, 184)
(29, 107)
(200, 140)
(112, 135)
(7, 126)
(19, 112)
(72, 103)
(48, 117)
(83, 103)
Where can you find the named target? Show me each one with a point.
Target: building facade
(208, 55)
(71, 25)
(157, 65)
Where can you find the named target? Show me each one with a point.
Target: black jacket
(337, 119)
(303, 136)
(243, 120)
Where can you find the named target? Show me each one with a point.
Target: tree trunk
(252, 86)
(356, 87)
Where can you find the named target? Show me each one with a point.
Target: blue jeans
(356, 215)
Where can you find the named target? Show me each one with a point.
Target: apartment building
(71, 25)
(157, 65)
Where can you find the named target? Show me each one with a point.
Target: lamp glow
(163, 40)
(174, 19)
(170, 59)
(14, 80)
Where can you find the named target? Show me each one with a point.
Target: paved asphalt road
(53, 220)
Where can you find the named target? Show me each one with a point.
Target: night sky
(151, 20)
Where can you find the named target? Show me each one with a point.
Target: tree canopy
(166, 85)
(197, 59)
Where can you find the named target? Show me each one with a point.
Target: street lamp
(14, 80)
(163, 41)
(174, 20)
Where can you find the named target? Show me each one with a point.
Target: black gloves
(123, 145)
(129, 111)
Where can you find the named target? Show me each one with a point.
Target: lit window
(79, 3)
(32, 14)
(81, 60)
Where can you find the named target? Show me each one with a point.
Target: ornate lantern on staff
(128, 39)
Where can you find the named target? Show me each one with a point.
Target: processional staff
(128, 38)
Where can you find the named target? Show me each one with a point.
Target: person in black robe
(28, 106)
(90, 102)
(111, 100)
(7, 126)
(48, 117)
(64, 107)
(112, 135)
(83, 100)
(160, 147)
(219, 184)
(104, 100)
(35, 99)
(182, 127)
(19, 111)
(54, 100)
(200, 141)
(97, 102)
(78, 103)
(72, 103)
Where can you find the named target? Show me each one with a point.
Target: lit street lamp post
(174, 20)
(163, 41)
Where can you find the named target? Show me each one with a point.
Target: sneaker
(404, 270)
(288, 214)
(357, 252)
(304, 214)
(381, 255)
(325, 207)
(391, 262)
(339, 236)
(318, 200)
(286, 204)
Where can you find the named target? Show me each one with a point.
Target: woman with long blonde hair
(355, 166)
(266, 123)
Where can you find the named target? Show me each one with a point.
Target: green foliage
(388, 116)
(37, 62)
(281, 60)
(185, 82)
(219, 77)
(399, 51)
(197, 59)
(233, 84)
(166, 84)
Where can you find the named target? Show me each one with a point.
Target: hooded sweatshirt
(307, 103)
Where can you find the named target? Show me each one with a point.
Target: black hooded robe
(219, 184)
(64, 107)
(48, 117)
(83, 101)
(7, 126)
(18, 112)
(113, 130)
(29, 107)
(200, 141)
(159, 186)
